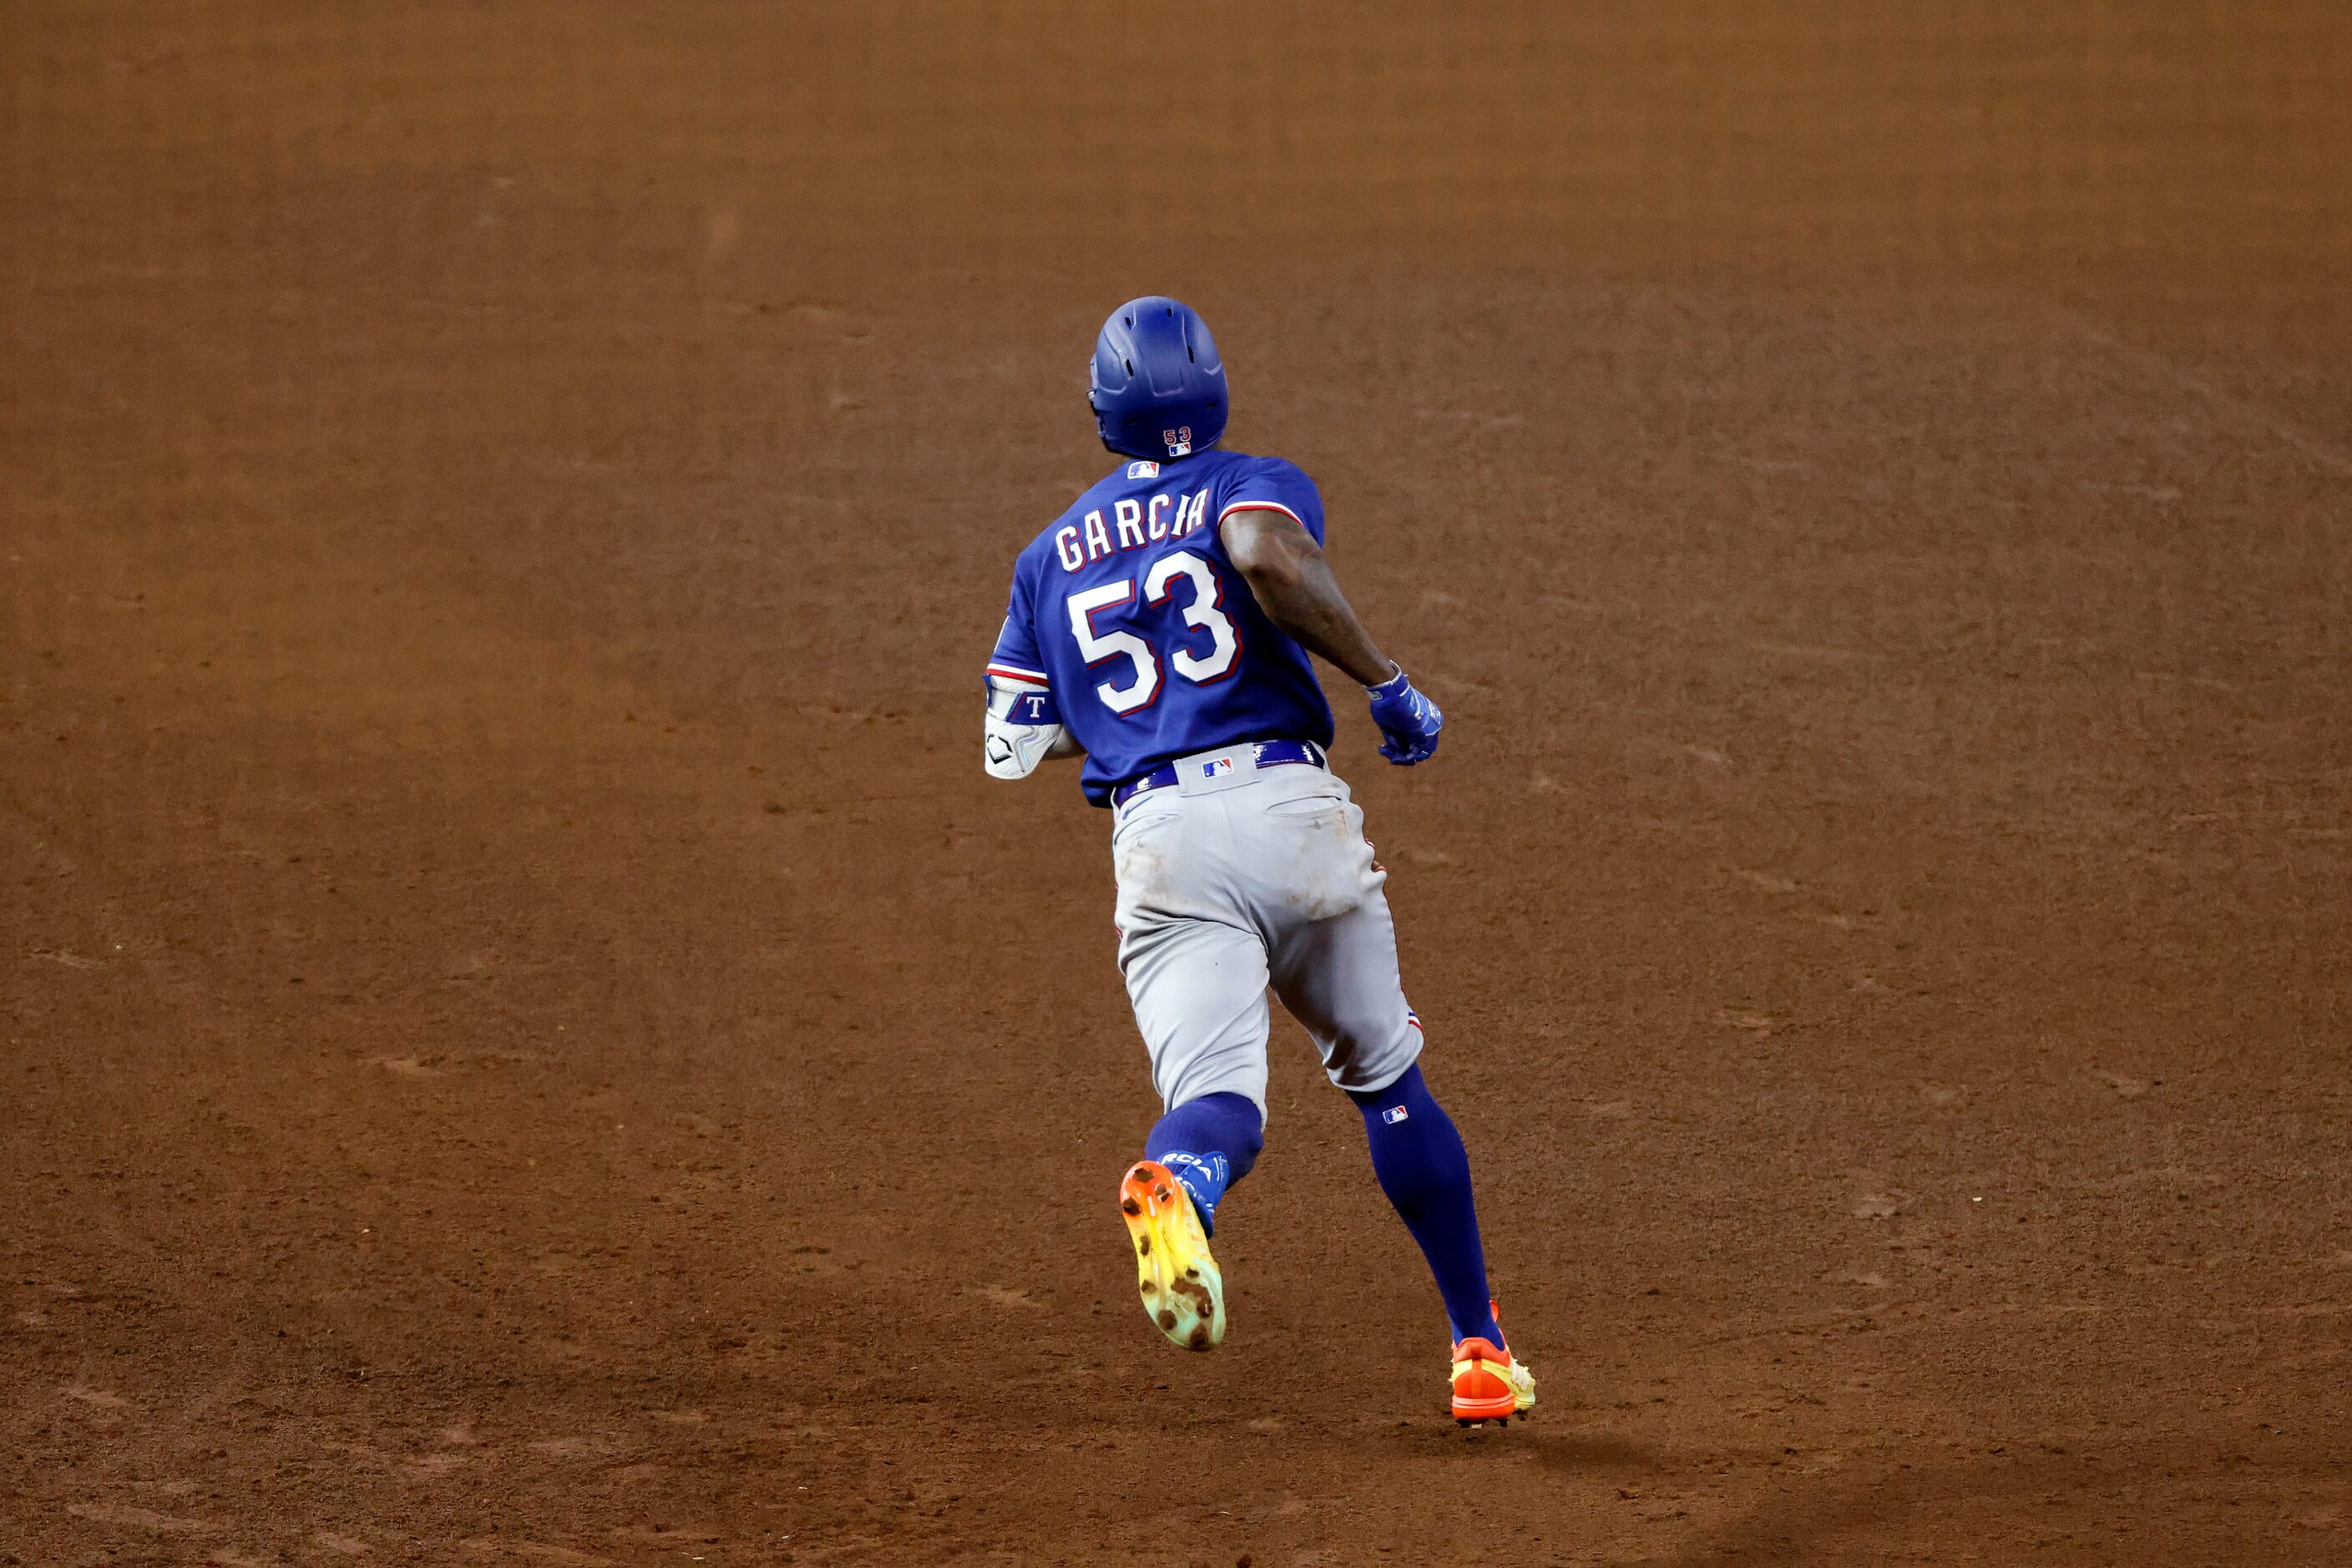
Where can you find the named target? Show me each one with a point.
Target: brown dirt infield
(528, 1040)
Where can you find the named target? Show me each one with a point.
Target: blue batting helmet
(1157, 389)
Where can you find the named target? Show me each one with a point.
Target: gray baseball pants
(1230, 882)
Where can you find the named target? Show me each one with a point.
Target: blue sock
(1425, 1171)
(1209, 1143)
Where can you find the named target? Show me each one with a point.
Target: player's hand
(1408, 720)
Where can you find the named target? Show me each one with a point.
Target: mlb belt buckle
(1229, 769)
(1205, 773)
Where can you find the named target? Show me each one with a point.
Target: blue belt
(1268, 754)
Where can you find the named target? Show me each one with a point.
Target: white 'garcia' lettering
(1135, 523)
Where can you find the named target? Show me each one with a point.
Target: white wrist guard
(1022, 725)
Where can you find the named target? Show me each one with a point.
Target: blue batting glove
(1409, 722)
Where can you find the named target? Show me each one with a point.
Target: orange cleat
(1182, 1292)
(1489, 1384)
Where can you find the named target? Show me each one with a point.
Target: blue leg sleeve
(1426, 1172)
(1210, 1143)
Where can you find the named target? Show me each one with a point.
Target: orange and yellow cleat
(1489, 1384)
(1182, 1292)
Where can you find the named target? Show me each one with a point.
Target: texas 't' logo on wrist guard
(1022, 725)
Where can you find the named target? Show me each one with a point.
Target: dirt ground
(529, 1040)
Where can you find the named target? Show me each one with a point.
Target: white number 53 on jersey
(1204, 613)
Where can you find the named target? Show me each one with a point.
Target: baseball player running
(1161, 627)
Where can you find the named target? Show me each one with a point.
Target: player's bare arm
(1295, 586)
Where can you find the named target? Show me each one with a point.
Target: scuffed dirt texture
(530, 1038)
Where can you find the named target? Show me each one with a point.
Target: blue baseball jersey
(1128, 611)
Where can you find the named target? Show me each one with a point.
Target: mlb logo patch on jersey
(1216, 767)
(1146, 469)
